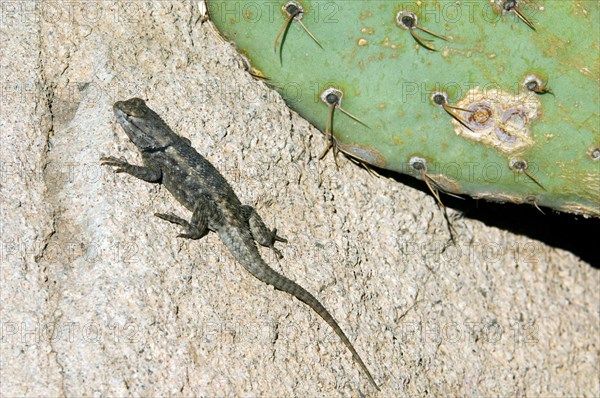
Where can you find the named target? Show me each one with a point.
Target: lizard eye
(137, 112)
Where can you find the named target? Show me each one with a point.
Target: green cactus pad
(496, 100)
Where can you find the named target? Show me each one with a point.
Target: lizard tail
(282, 283)
(253, 263)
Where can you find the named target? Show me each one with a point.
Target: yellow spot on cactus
(365, 14)
(382, 105)
(368, 31)
(362, 42)
(387, 43)
(586, 71)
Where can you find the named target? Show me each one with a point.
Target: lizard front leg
(145, 173)
(261, 234)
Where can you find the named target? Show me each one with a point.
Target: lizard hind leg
(196, 229)
(261, 234)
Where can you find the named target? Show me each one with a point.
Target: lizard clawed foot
(113, 161)
(148, 174)
(277, 237)
(260, 233)
(277, 252)
(172, 218)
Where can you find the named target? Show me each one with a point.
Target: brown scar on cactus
(363, 154)
(408, 20)
(513, 6)
(499, 119)
(294, 11)
(332, 97)
(441, 99)
(358, 161)
(595, 153)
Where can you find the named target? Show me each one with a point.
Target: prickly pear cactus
(494, 99)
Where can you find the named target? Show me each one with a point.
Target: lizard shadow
(562, 230)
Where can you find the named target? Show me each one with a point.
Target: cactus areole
(498, 99)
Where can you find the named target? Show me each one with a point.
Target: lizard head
(142, 125)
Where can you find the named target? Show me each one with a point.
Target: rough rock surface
(98, 297)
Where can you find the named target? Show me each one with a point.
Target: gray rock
(96, 301)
